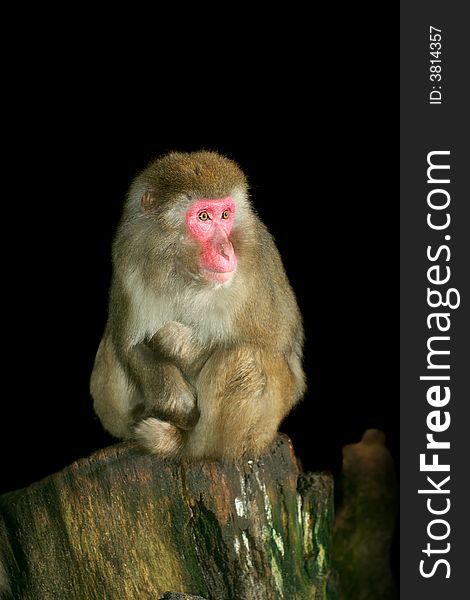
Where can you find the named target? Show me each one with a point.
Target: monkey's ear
(148, 201)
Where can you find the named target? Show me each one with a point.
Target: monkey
(201, 357)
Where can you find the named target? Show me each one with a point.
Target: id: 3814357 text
(435, 65)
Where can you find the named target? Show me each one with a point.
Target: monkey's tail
(160, 437)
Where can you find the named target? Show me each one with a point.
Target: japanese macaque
(202, 352)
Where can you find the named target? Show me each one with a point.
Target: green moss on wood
(125, 525)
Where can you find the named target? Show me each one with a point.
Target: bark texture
(125, 525)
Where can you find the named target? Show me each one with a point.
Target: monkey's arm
(162, 387)
(175, 342)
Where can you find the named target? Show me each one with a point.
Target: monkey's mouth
(217, 276)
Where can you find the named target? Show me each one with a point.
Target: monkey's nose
(222, 244)
(226, 250)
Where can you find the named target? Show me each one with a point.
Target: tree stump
(122, 525)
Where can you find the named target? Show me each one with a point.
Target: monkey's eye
(203, 215)
(225, 214)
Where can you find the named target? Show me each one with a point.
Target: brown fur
(190, 368)
(197, 174)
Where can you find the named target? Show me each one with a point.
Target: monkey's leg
(113, 392)
(147, 390)
(243, 395)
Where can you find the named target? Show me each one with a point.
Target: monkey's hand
(175, 342)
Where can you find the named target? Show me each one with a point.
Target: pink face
(210, 223)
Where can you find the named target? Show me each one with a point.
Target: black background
(315, 132)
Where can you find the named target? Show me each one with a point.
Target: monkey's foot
(159, 437)
(183, 414)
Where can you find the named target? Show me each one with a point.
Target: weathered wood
(125, 525)
(180, 596)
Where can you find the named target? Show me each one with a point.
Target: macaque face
(210, 222)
